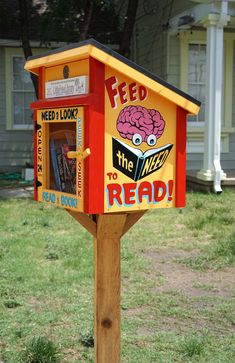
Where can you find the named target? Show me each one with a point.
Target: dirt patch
(180, 278)
(171, 255)
(169, 323)
(194, 323)
(134, 311)
(143, 331)
(70, 355)
(34, 304)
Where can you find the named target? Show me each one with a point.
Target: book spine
(59, 158)
(55, 165)
(69, 169)
(139, 167)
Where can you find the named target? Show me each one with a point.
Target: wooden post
(107, 230)
(107, 287)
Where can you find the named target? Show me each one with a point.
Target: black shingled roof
(122, 59)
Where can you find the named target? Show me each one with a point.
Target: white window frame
(195, 123)
(195, 132)
(10, 53)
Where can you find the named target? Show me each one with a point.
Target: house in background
(190, 44)
(16, 117)
(16, 89)
(16, 94)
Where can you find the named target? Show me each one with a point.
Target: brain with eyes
(140, 124)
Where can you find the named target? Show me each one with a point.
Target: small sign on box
(67, 87)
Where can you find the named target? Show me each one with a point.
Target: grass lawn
(178, 283)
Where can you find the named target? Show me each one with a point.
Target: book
(59, 160)
(55, 165)
(135, 163)
(69, 169)
(63, 168)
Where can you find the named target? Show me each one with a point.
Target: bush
(192, 345)
(40, 350)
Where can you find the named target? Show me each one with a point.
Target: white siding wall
(173, 72)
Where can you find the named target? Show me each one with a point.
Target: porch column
(214, 68)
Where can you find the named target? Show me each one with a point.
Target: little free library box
(109, 135)
(110, 143)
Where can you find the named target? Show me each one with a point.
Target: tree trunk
(124, 47)
(24, 27)
(87, 19)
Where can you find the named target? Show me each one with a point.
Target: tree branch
(24, 28)
(124, 47)
(87, 19)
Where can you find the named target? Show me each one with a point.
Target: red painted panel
(40, 95)
(35, 155)
(41, 83)
(94, 139)
(93, 134)
(63, 102)
(180, 187)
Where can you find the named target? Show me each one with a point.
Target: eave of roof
(116, 61)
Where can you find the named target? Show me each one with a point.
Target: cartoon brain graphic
(140, 124)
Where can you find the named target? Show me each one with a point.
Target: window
(193, 81)
(22, 94)
(197, 77)
(19, 91)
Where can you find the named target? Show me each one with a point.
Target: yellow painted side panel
(52, 122)
(140, 146)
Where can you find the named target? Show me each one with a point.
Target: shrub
(40, 350)
(191, 346)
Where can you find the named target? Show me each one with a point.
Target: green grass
(178, 291)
